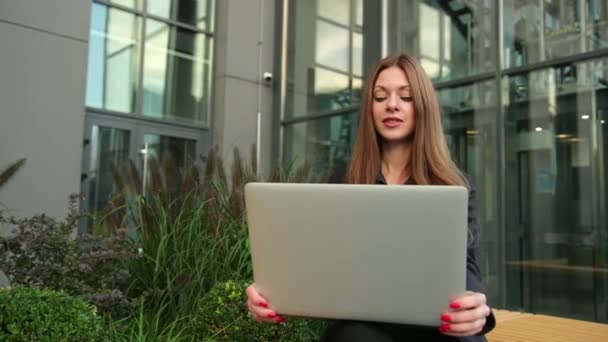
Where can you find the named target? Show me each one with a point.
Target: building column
(244, 51)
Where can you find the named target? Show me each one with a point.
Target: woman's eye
(406, 98)
(379, 98)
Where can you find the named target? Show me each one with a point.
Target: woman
(401, 141)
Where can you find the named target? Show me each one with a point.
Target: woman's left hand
(466, 315)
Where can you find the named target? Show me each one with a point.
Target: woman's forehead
(393, 77)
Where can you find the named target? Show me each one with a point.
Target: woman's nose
(392, 103)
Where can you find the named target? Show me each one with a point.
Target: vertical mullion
(137, 138)
(105, 60)
(501, 158)
(351, 30)
(139, 96)
(441, 43)
(283, 77)
(384, 34)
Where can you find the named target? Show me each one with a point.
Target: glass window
(557, 255)
(113, 59)
(109, 149)
(335, 10)
(176, 73)
(357, 54)
(452, 39)
(469, 120)
(322, 142)
(429, 25)
(324, 63)
(198, 13)
(133, 4)
(332, 46)
(331, 91)
(357, 90)
(535, 31)
(358, 13)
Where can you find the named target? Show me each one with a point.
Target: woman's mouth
(392, 122)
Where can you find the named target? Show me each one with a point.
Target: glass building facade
(148, 88)
(523, 87)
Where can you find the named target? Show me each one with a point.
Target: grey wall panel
(243, 34)
(42, 90)
(238, 74)
(240, 121)
(63, 17)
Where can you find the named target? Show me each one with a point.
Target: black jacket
(473, 281)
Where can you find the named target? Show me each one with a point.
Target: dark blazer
(473, 282)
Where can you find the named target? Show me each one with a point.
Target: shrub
(31, 314)
(43, 252)
(191, 226)
(222, 315)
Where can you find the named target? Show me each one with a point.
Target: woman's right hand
(259, 307)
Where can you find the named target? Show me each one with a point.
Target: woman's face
(393, 107)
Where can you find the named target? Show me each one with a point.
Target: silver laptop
(360, 252)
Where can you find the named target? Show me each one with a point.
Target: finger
(463, 329)
(468, 301)
(254, 296)
(464, 316)
(261, 314)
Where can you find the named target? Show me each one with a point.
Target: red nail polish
(263, 304)
(272, 315)
(444, 327)
(455, 305)
(280, 320)
(445, 317)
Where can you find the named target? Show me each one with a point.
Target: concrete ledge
(515, 327)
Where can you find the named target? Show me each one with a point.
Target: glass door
(557, 261)
(108, 145)
(120, 153)
(165, 156)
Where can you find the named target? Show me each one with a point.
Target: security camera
(267, 76)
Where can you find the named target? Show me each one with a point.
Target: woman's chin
(393, 139)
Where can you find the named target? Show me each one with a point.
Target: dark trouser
(354, 331)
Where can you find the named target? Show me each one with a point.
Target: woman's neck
(396, 162)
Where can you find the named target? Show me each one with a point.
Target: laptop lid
(361, 252)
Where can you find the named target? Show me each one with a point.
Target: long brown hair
(430, 158)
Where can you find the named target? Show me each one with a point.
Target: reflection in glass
(332, 46)
(113, 59)
(357, 90)
(198, 13)
(177, 153)
(133, 4)
(358, 8)
(323, 142)
(451, 38)
(557, 256)
(331, 91)
(535, 31)
(357, 53)
(180, 151)
(335, 10)
(176, 73)
(324, 64)
(109, 147)
(429, 46)
(469, 120)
